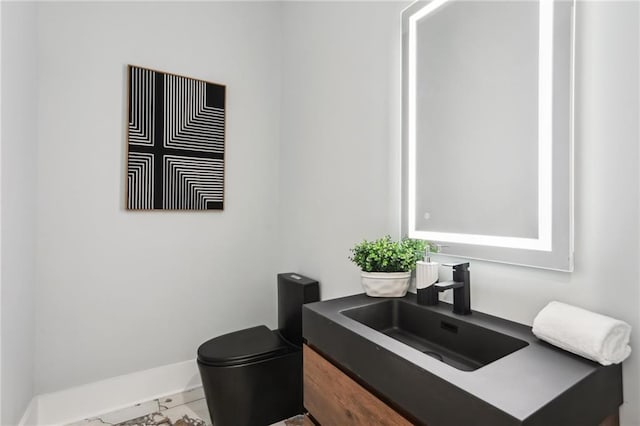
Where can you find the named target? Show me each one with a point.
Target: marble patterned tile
(195, 411)
(151, 419)
(295, 421)
(187, 408)
(159, 419)
(120, 416)
(180, 398)
(88, 422)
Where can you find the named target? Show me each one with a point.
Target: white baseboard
(104, 396)
(30, 416)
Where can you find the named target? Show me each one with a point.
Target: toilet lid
(244, 346)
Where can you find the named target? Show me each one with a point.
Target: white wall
(123, 291)
(340, 135)
(339, 162)
(18, 189)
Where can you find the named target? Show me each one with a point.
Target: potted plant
(386, 264)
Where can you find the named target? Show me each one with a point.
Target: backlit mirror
(487, 129)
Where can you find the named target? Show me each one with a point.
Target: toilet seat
(243, 347)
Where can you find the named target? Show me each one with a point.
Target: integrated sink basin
(460, 344)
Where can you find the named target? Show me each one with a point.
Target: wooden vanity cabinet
(333, 398)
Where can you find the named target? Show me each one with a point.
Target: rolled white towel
(596, 337)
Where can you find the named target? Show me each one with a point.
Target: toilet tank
(294, 290)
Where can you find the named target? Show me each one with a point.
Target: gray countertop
(538, 384)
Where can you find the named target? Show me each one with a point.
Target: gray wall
(126, 291)
(18, 208)
(340, 106)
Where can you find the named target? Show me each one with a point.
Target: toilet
(254, 376)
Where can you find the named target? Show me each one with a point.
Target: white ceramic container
(385, 284)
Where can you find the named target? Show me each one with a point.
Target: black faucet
(461, 290)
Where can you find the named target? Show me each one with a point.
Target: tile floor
(187, 408)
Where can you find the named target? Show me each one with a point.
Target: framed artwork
(175, 141)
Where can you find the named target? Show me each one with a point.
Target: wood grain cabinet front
(334, 399)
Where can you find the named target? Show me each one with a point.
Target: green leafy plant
(386, 255)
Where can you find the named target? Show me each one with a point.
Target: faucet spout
(448, 285)
(461, 286)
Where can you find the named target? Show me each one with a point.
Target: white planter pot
(385, 284)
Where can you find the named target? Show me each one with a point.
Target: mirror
(487, 129)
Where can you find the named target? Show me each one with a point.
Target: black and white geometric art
(175, 142)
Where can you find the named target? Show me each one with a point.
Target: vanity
(394, 362)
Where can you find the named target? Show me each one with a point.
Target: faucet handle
(458, 266)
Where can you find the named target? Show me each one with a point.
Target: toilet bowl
(254, 376)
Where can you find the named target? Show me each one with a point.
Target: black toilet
(254, 376)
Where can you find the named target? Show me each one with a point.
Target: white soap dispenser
(426, 277)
